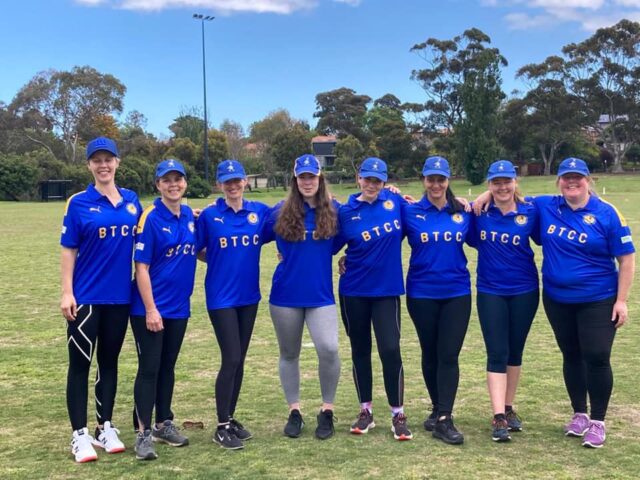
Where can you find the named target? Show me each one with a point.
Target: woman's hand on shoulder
(481, 203)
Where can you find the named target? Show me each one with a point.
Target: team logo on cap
(388, 205)
(252, 218)
(191, 226)
(131, 208)
(572, 164)
(306, 161)
(230, 167)
(589, 219)
(456, 217)
(500, 166)
(375, 165)
(171, 163)
(521, 220)
(437, 164)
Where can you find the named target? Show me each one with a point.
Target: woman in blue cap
(232, 232)
(97, 243)
(371, 226)
(438, 290)
(584, 294)
(506, 309)
(305, 225)
(165, 265)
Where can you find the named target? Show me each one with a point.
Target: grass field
(35, 432)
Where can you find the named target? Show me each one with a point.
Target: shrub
(18, 178)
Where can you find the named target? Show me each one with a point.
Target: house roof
(324, 139)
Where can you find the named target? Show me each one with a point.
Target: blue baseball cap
(101, 143)
(169, 165)
(373, 167)
(230, 169)
(307, 163)
(573, 165)
(501, 169)
(436, 166)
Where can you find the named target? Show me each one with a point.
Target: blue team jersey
(167, 243)
(373, 234)
(233, 241)
(438, 266)
(104, 236)
(506, 263)
(579, 248)
(304, 277)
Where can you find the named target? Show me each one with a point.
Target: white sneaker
(81, 446)
(107, 438)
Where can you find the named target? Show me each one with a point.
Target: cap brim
(426, 173)
(379, 176)
(300, 171)
(230, 176)
(115, 154)
(573, 170)
(501, 175)
(169, 170)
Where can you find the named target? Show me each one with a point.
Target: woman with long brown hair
(304, 226)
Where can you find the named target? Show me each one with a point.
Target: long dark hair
(454, 205)
(290, 223)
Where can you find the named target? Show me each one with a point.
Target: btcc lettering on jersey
(379, 230)
(564, 232)
(239, 241)
(506, 238)
(114, 231)
(186, 249)
(441, 237)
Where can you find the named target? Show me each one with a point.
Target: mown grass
(35, 433)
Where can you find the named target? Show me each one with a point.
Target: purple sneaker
(595, 436)
(578, 425)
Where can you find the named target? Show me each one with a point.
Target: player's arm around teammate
(305, 226)
(165, 265)
(97, 243)
(584, 294)
(232, 230)
(371, 226)
(508, 292)
(439, 290)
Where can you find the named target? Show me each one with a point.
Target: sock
(397, 410)
(367, 405)
(500, 416)
(222, 426)
(508, 408)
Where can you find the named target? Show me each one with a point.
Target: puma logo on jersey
(95, 209)
(166, 229)
(357, 217)
(422, 217)
(218, 219)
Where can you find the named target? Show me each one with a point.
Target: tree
(605, 73)
(349, 151)
(387, 128)
(289, 145)
(235, 137)
(513, 131)
(184, 150)
(187, 125)
(554, 114)
(64, 101)
(341, 112)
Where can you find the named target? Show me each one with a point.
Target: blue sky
(269, 54)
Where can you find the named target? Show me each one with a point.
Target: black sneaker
(224, 437)
(363, 423)
(168, 433)
(399, 428)
(430, 422)
(446, 431)
(294, 425)
(238, 430)
(514, 422)
(500, 430)
(325, 428)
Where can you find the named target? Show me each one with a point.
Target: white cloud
(353, 3)
(222, 6)
(589, 14)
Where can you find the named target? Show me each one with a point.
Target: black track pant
(233, 328)
(358, 314)
(157, 356)
(105, 325)
(585, 333)
(441, 325)
(505, 321)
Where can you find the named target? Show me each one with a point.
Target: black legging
(157, 356)
(358, 313)
(233, 328)
(108, 325)
(441, 325)
(585, 333)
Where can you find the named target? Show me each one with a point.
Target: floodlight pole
(202, 18)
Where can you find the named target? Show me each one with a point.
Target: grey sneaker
(224, 437)
(144, 446)
(169, 434)
(514, 422)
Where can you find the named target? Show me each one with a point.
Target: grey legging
(322, 323)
